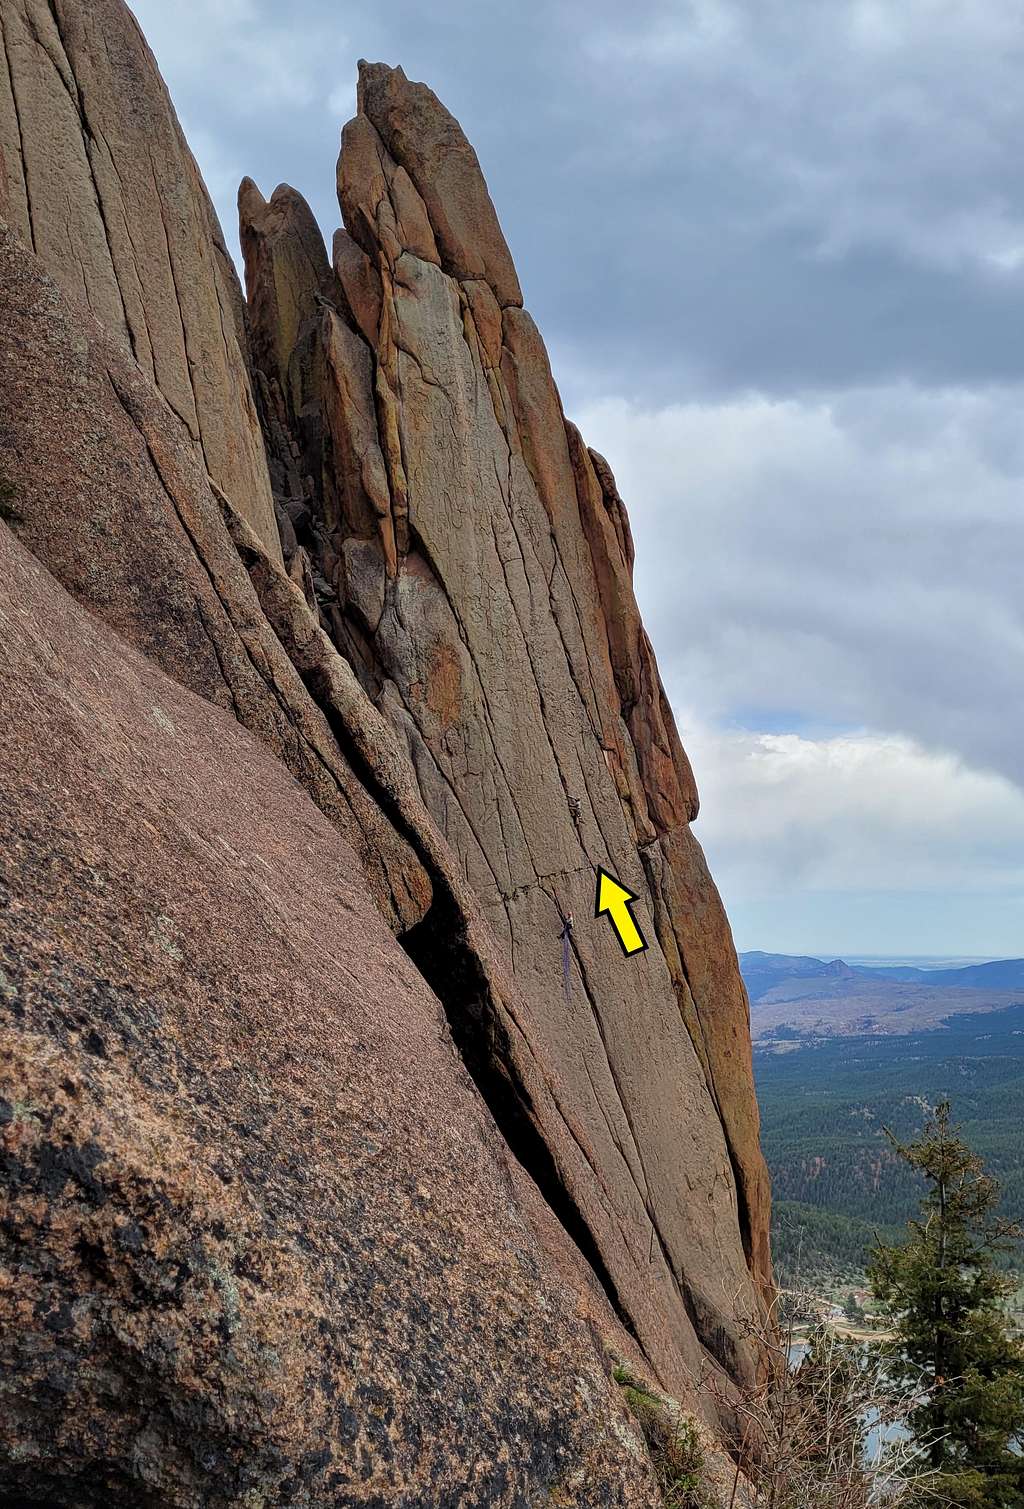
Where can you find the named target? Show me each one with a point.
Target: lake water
(879, 1436)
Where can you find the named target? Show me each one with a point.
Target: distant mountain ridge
(796, 999)
(999, 974)
(763, 972)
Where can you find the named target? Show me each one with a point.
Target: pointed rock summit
(430, 146)
(345, 1151)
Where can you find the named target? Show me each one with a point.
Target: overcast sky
(777, 251)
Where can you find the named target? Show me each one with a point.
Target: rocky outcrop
(260, 1242)
(100, 182)
(478, 562)
(114, 499)
(323, 1185)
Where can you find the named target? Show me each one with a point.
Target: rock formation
(101, 184)
(477, 562)
(322, 1185)
(262, 1244)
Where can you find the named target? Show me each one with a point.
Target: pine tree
(943, 1299)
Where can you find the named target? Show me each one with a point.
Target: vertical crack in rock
(436, 947)
(6, 187)
(439, 943)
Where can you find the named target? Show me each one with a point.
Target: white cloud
(255, 62)
(850, 559)
(859, 844)
(832, 585)
(854, 812)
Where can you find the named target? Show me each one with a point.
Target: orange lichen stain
(444, 683)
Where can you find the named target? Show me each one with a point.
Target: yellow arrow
(616, 900)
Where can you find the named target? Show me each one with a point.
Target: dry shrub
(805, 1428)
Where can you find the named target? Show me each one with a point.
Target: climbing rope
(567, 956)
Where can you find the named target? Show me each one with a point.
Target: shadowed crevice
(451, 969)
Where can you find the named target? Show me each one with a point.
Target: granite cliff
(325, 696)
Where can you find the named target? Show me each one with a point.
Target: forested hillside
(825, 1106)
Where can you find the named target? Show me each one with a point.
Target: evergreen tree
(943, 1299)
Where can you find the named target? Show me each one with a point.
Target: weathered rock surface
(260, 1243)
(100, 182)
(480, 565)
(267, 1240)
(427, 143)
(116, 501)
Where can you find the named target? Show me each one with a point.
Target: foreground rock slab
(260, 1242)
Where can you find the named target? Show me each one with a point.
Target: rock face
(478, 564)
(322, 1185)
(261, 1243)
(101, 184)
(117, 502)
